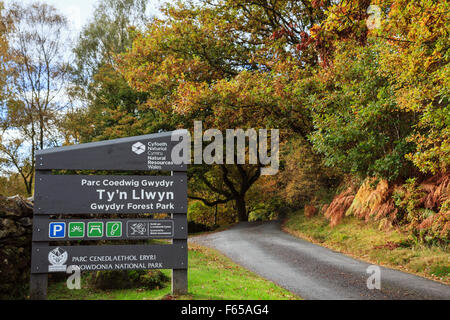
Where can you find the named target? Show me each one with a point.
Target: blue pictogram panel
(57, 230)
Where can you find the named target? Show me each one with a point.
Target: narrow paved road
(312, 271)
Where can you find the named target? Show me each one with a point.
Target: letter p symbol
(57, 230)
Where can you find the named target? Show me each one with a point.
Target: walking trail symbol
(129, 195)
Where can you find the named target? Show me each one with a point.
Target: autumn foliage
(336, 210)
(358, 89)
(423, 207)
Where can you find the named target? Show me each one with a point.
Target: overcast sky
(79, 12)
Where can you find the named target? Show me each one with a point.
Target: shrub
(310, 211)
(335, 211)
(425, 207)
(373, 200)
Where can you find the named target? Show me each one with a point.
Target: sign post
(110, 195)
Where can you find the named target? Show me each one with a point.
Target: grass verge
(211, 276)
(391, 248)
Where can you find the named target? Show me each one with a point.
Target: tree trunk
(29, 187)
(241, 209)
(215, 216)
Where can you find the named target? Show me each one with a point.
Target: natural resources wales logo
(138, 148)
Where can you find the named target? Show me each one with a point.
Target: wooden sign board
(147, 153)
(51, 259)
(86, 194)
(110, 194)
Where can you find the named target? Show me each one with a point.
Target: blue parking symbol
(57, 230)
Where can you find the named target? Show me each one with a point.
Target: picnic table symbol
(96, 228)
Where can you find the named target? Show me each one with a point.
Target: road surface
(312, 271)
